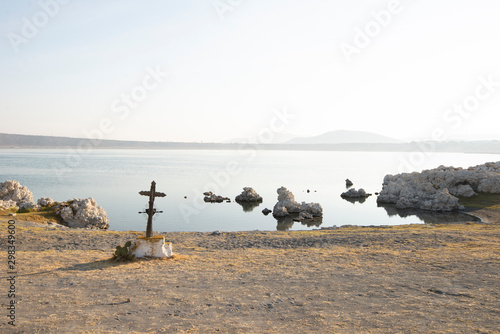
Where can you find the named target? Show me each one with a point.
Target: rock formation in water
(287, 205)
(14, 195)
(353, 193)
(436, 189)
(248, 195)
(83, 213)
(212, 198)
(348, 183)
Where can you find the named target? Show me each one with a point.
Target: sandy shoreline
(402, 279)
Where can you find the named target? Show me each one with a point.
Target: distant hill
(346, 137)
(15, 141)
(277, 138)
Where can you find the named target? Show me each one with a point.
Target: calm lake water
(114, 178)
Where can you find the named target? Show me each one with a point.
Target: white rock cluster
(45, 201)
(84, 213)
(287, 205)
(14, 195)
(248, 195)
(435, 189)
(212, 198)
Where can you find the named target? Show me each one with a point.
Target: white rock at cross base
(152, 247)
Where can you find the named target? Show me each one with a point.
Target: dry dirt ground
(406, 279)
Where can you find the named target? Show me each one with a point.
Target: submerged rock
(248, 195)
(287, 205)
(83, 213)
(436, 189)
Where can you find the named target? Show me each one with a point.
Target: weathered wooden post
(151, 211)
(151, 246)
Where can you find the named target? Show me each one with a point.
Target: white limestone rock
(436, 189)
(287, 205)
(463, 190)
(28, 206)
(280, 211)
(248, 195)
(84, 213)
(10, 204)
(45, 201)
(13, 191)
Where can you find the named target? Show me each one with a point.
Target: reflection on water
(113, 178)
(249, 206)
(429, 217)
(355, 200)
(286, 223)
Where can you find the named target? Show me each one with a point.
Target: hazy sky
(406, 69)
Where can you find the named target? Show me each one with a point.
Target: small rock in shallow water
(266, 211)
(353, 193)
(212, 198)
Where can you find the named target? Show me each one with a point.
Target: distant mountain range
(331, 141)
(332, 137)
(346, 137)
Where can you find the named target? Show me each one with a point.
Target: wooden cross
(151, 211)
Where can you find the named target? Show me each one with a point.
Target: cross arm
(148, 193)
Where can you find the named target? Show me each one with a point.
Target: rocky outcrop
(212, 198)
(13, 194)
(348, 183)
(287, 205)
(248, 195)
(10, 204)
(83, 213)
(353, 193)
(436, 189)
(45, 201)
